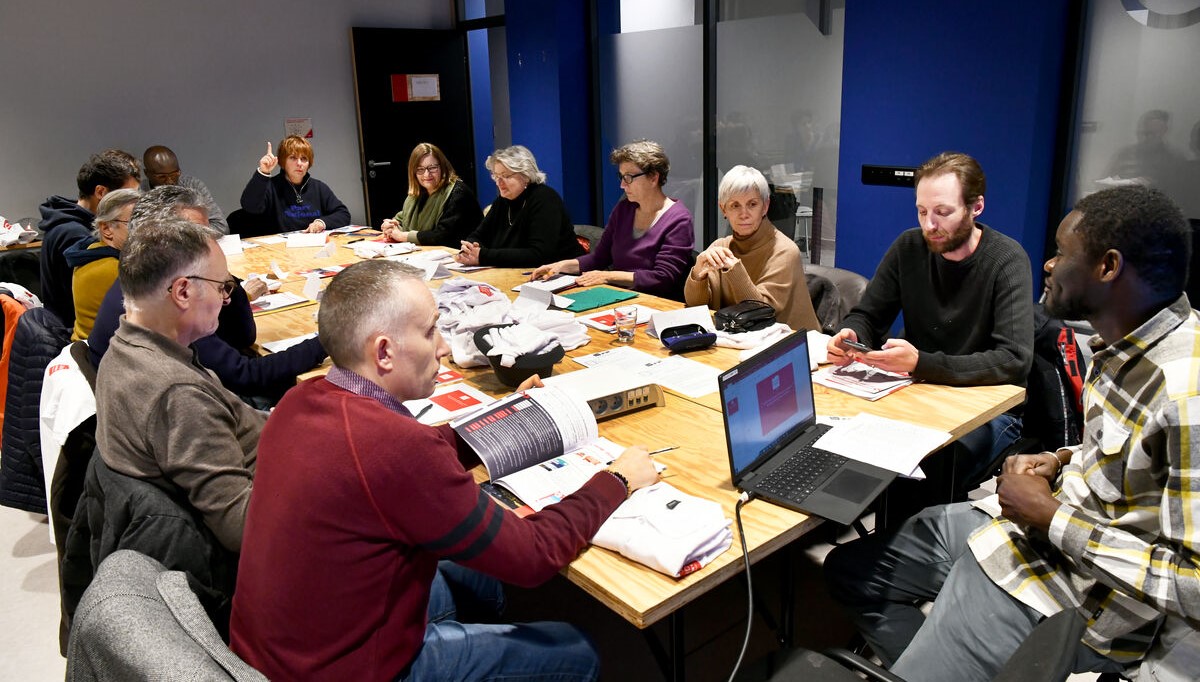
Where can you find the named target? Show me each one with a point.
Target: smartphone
(857, 346)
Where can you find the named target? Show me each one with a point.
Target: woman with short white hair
(756, 262)
(527, 225)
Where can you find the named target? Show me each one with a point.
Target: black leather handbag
(747, 316)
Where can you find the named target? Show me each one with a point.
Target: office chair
(1046, 654)
(138, 620)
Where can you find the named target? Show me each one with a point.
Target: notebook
(770, 425)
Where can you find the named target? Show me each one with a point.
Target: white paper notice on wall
(299, 126)
(424, 87)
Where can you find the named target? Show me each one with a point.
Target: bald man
(162, 168)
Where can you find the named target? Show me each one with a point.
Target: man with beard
(966, 293)
(1107, 528)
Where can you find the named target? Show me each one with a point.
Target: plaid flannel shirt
(1124, 546)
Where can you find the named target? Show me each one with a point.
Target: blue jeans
(481, 651)
(984, 444)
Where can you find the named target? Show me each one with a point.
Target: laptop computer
(770, 425)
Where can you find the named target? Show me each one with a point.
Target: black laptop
(770, 425)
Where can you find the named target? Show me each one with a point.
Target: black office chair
(1052, 417)
(1046, 654)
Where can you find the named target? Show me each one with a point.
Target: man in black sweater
(966, 294)
(66, 222)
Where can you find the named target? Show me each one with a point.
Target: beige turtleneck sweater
(769, 269)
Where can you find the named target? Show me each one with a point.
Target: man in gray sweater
(966, 295)
(161, 416)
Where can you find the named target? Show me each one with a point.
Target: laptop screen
(766, 402)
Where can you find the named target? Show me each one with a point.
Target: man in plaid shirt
(1110, 528)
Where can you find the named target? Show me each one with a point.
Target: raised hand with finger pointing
(268, 163)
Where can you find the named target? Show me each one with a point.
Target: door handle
(373, 164)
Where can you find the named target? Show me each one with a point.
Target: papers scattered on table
(459, 267)
(300, 240)
(534, 298)
(351, 229)
(554, 284)
(665, 319)
(432, 264)
(284, 344)
(230, 244)
(325, 271)
(886, 443)
(448, 376)
(862, 380)
(279, 301)
(605, 320)
(447, 402)
(271, 239)
(374, 249)
(675, 372)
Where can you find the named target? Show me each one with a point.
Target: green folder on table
(596, 298)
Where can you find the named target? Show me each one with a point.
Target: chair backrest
(39, 336)
(70, 460)
(588, 236)
(138, 620)
(1053, 414)
(154, 518)
(834, 300)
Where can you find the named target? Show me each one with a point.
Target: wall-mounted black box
(893, 176)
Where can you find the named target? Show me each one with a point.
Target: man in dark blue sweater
(66, 222)
(966, 294)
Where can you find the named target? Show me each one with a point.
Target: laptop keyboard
(801, 474)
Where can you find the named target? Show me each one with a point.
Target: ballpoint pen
(425, 409)
(666, 449)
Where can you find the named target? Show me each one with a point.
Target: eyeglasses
(506, 177)
(428, 170)
(628, 178)
(224, 287)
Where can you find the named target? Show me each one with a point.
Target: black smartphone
(857, 346)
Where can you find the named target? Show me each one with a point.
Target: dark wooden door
(390, 124)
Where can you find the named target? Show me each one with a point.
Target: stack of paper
(887, 443)
(862, 380)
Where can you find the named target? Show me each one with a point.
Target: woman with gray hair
(95, 263)
(527, 225)
(647, 243)
(756, 262)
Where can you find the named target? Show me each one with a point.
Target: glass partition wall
(779, 103)
(776, 86)
(651, 86)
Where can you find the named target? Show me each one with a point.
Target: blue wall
(924, 76)
(548, 76)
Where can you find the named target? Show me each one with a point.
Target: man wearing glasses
(162, 168)
(161, 416)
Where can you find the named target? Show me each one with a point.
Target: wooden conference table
(700, 464)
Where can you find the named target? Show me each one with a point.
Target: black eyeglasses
(427, 170)
(628, 178)
(224, 287)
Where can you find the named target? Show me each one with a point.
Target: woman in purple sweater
(647, 243)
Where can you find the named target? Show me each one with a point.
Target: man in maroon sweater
(355, 502)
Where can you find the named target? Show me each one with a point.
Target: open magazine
(541, 444)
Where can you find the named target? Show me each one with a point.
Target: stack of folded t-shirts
(762, 337)
(570, 332)
(667, 530)
(465, 306)
(519, 339)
